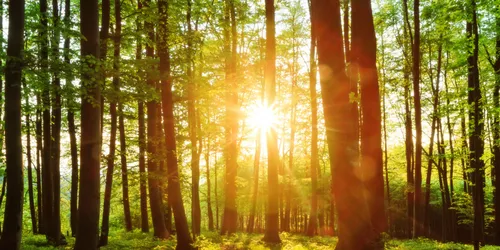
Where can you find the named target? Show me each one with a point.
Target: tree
(90, 151)
(184, 240)
(364, 48)
(154, 173)
(476, 125)
(12, 227)
(271, 235)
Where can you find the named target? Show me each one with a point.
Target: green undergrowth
(121, 240)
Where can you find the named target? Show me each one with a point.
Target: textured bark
(12, 226)
(476, 125)
(496, 131)
(90, 150)
(55, 151)
(364, 49)
(47, 187)
(142, 140)
(195, 152)
(418, 204)
(341, 133)
(184, 240)
(154, 174)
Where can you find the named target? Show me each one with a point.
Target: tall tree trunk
(184, 240)
(409, 150)
(229, 220)
(38, 132)
(34, 226)
(195, 153)
(255, 187)
(90, 145)
(418, 210)
(103, 241)
(364, 49)
(209, 192)
(496, 131)
(123, 159)
(142, 140)
(71, 126)
(314, 127)
(47, 187)
(272, 221)
(13, 216)
(55, 151)
(103, 51)
(476, 125)
(153, 139)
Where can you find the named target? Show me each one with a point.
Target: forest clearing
(249, 124)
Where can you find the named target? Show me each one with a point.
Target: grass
(120, 240)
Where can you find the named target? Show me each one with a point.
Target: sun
(261, 117)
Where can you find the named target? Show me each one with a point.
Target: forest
(246, 124)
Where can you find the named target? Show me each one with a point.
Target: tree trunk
(71, 127)
(38, 131)
(364, 49)
(195, 153)
(272, 221)
(314, 129)
(47, 187)
(154, 174)
(103, 241)
(123, 159)
(209, 192)
(255, 187)
(13, 216)
(55, 230)
(496, 132)
(476, 143)
(184, 240)
(34, 226)
(230, 216)
(90, 146)
(142, 140)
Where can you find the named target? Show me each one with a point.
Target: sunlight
(262, 117)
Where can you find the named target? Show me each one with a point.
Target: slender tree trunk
(496, 132)
(47, 187)
(123, 159)
(314, 128)
(195, 158)
(477, 128)
(71, 127)
(255, 187)
(272, 220)
(13, 216)
(103, 241)
(418, 210)
(90, 149)
(38, 131)
(184, 240)
(142, 140)
(209, 190)
(154, 173)
(229, 220)
(34, 226)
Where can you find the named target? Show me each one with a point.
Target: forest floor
(211, 240)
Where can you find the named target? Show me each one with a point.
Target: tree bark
(272, 221)
(184, 240)
(38, 132)
(364, 49)
(34, 226)
(12, 226)
(90, 150)
(476, 125)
